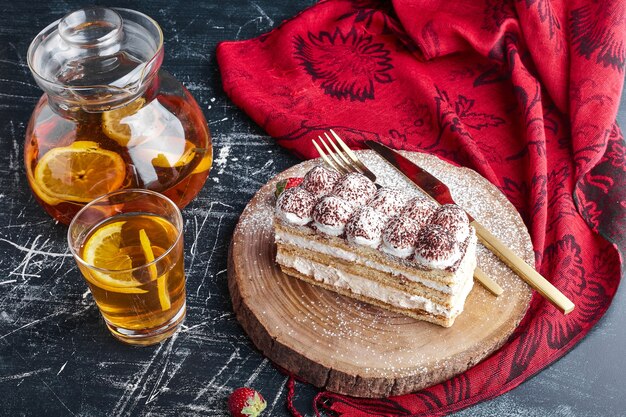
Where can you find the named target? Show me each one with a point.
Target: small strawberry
(246, 402)
(286, 184)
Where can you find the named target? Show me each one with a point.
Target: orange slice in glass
(164, 296)
(79, 172)
(104, 250)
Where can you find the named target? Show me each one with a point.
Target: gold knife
(440, 193)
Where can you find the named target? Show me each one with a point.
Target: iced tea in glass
(129, 247)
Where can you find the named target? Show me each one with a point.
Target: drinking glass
(128, 245)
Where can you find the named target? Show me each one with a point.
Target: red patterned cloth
(524, 92)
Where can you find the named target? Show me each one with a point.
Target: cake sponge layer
(414, 313)
(348, 280)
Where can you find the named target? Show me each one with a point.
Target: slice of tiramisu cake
(377, 245)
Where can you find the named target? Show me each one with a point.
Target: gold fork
(344, 160)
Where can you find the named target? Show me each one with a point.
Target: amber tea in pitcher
(111, 118)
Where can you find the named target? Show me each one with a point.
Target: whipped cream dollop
(436, 248)
(365, 227)
(454, 219)
(320, 181)
(355, 188)
(399, 236)
(389, 201)
(295, 205)
(331, 214)
(419, 209)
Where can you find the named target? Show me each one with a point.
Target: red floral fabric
(524, 92)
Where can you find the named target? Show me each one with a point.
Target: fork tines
(341, 160)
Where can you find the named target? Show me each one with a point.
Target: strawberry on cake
(377, 245)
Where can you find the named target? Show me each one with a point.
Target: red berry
(286, 184)
(246, 402)
(293, 182)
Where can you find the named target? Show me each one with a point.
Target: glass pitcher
(110, 117)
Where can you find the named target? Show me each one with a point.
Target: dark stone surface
(56, 356)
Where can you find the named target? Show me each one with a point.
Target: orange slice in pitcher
(113, 123)
(48, 199)
(104, 250)
(165, 159)
(164, 296)
(79, 172)
(205, 163)
(165, 152)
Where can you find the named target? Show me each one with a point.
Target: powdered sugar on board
(325, 328)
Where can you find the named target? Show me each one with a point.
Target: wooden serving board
(356, 349)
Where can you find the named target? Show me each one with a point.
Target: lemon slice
(79, 172)
(165, 159)
(114, 125)
(103, 250)
(48, 199)
(164, 297)
(165, 152)
(205, 163)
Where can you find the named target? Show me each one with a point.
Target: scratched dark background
(57, 358)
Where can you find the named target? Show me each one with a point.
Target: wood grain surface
(352, 348)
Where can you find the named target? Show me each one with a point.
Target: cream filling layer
(439, 263)
(372, 289)
(330, 230)
(292, 218)
(304, 243)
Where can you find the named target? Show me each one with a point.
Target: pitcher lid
(113, 49)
